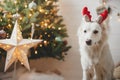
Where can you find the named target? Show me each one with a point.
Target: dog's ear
(86, 14)
(102, 17)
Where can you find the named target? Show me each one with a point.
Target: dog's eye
(85, 31)
(95, 32)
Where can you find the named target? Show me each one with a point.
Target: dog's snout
(89, 42)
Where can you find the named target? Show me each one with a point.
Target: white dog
(96, 59)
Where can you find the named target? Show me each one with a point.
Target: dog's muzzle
(89, 42)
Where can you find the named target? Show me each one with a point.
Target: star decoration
(17, 48)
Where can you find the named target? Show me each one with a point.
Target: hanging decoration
(32, 5)
(2, 34)
(17, 48)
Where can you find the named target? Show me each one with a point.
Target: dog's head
(92, 30)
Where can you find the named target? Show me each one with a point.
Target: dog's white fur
(96, 59)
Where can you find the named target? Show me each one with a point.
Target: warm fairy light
(7, 35)
(1, 20)
(46, 0)
(30, 14)
(104, 3)
(40, 45)
(53, 27)
(46, 24)
(20, 18)
(25, 5)
(49, 26)
(45, 32)
(48, 35)
(59, 28)
(41, 10)
(15, 2)
(46, 12)
(21, 63)
(45, 42)
(9, 26)
(36, 52)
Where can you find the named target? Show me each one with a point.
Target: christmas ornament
(58, 38)
(17, 48)
(16, 15)
(3, 34)
(65, 42)
(32, 5)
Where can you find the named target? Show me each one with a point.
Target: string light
(45, 42)
(15, 2)
(48, 35)
(25, 5)
(46, 24)
(46, 12)
(59, 28)
(7, 35)
(9, 26)
(30, 14)
(36, 52)
(45, 32)
(1, 20)
(53, 27)
(41, 10)
(40, 45)
(104, 3)
(20, 18)
(21, 63)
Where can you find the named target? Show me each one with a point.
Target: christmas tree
(38, 19)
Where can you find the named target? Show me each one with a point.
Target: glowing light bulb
(45, 42)
(40, 45)
(59, 28)
(30, 15)
(20, 18)
(46, 24)
(45, 32)
(1, 20)
(22, 63)
(36, 52)
(104, 3)
(48, 35)
(25, 5)
(15, 2)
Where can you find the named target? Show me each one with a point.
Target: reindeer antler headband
(102, 16)
(86, 12)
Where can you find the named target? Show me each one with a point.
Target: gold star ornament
(17, 48)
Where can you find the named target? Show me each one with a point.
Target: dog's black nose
(89, 42)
